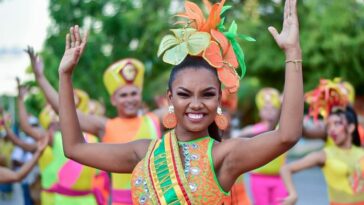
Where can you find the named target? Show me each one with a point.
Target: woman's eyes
(183, 94)
(208, 94)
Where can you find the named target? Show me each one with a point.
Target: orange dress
(196, 183)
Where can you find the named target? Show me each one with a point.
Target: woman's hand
(36, 61)
(22, 90)
(75, 45)
(42, 143)
(288, 39)
(291, 199)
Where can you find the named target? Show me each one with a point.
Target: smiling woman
(195, 91)
(188, 165)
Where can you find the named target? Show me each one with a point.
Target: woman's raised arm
(109, 157)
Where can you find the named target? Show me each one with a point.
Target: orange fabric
(207, 188)
(238, 195)
(121, 130)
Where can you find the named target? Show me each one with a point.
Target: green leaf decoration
(246, 37)
(231, 35)
(198, 42)
(224, 9)
(176, 54)
(167, 42)
(183, 33)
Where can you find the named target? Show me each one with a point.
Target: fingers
(274, 32)
(286, 9)
(294, 7)
(73, 38)
(84, 41)
(68, 43)
(294, 10)
(77, 36)
(17, 81)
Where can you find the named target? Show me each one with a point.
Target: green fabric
(209, 152)
(50, 173)
(74, 200)
(163, 172)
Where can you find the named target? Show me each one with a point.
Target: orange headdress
(324, 97)
(347, 89)
(208, 38)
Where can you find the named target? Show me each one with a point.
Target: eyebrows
(189, 91)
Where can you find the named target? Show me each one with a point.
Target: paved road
(311, 187)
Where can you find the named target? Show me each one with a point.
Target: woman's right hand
(42, 143)
(291, 199)
(22, 90)
(36, 61)
(75, 45)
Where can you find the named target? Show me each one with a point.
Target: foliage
(331, 39)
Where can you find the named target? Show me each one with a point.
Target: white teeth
(195, 116)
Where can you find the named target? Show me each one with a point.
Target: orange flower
(196, 18)
(220, 54)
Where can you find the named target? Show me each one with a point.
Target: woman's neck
(185, 135)
(347, 144)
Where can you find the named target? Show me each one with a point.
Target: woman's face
(337, 129)
(195, 96)
(127, 100)
(269, 112)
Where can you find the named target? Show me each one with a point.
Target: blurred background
(332, 40)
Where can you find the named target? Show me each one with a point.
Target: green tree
(331, 39)
(117, 29)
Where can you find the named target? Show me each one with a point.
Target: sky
(23, 22)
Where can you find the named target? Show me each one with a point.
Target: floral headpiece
(209, 39)
(347, 89)
(324, 97)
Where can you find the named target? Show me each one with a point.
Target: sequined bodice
(199, 171)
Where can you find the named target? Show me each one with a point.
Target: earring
(221, 120)
(170, 120)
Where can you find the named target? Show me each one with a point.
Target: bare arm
(25, 146)
(314, 130)
(37, 134)
(311, 160)
(110, 157)
(8, 176)
(89, 123)
(242, 155)
(246, 132)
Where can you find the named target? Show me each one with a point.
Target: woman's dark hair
(351, 118)
(192, 62)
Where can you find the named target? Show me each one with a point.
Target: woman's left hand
(288, 39)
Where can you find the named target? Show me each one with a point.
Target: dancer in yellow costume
(342, 163)
(189, 165)
(265, 182)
